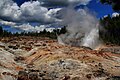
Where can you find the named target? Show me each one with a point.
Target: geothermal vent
(82, 29)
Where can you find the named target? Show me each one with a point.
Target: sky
(18, 15)
(94, 5)
(100, 9)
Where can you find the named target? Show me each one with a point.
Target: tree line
(44, 33)
(4, 33)
(110, 29)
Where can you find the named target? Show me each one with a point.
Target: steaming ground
(92, 39)
(82, 29)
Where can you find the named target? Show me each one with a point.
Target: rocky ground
(35, 58)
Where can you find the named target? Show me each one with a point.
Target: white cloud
(105, 16)
(115, 14)
(11, 12)
(25, 27)
(52, 12)
(50, 29)
(33, 11)
(36, 11)
(7, 23)
(27, 12)
(29, 28)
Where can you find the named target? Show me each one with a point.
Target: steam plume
(82, 28)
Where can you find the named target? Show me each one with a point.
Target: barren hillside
(34, 58)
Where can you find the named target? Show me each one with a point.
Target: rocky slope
(29, 58)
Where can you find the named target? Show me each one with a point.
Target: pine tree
(1, 31)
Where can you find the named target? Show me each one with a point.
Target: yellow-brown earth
(34, 58)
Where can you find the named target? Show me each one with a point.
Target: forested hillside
(110, 31)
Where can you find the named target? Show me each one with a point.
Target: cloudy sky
(28, 15)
